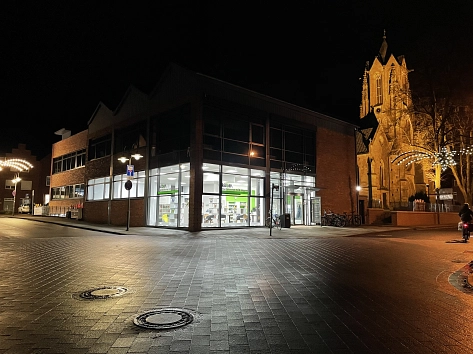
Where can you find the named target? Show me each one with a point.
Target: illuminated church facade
(385, 131)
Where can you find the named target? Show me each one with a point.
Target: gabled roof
(368, 126)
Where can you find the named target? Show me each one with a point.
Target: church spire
(384, 48)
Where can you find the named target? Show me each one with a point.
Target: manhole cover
(164, 318)
(459, 279)
(104, 292)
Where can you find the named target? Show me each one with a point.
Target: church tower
(385, 128)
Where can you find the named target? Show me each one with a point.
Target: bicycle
(332, 219)
(352, 218)
(273, 222)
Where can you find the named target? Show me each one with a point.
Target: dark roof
(365, 133)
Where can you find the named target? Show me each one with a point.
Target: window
(48, 180)
(137, 189)
(69, 162)
(131, 137)
(98, 188)
(100, 147)
(26, 185)
(68, 192)
(379, 90)
(292, 148)
(9, 184)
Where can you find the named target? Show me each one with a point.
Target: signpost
(128, 185)
(130, 172)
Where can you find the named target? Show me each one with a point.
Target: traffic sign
(13, 193)
(128, 185)
(130, 170)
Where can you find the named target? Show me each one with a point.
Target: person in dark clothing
(466, 214)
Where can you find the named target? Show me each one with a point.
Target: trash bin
(285, 220)
(68, 214)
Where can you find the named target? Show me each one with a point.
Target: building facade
(386, 130)
(67, 180)
(33, 188)
(213, 155)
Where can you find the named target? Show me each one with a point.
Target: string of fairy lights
(17, 164)
(444, 158)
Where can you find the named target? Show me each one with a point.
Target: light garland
(467, 151)
(444, 158)
(18, 164)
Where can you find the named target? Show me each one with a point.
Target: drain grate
(167, 318)
(103, 292)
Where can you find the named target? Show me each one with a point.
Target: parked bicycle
(333, 219)
(273, 221)
(352, 219)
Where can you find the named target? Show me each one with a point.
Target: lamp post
(274, 187)
(129, 173)
(358, 189)
(15, 180)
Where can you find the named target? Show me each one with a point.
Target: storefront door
(295, 206)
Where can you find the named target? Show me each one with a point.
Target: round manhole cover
(164, 318)
(104, 292)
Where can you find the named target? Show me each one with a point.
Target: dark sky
(60, 59)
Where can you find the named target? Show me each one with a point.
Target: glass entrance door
(295, 206)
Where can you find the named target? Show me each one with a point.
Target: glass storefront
(169, 196)
(233, 196)
(294, 197)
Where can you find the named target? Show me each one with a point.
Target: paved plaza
(246, 292)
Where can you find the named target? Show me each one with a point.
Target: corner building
(215, 155)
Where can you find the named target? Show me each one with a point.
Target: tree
(443, 126)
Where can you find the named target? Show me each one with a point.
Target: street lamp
(273, 188)
(15, 180)
(129, 173)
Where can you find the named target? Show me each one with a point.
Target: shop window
(168, 211)
(256, 214)
(169, 183)
(209, 167)
(211, 182)
(257, 187)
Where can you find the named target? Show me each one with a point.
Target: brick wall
(96, 212)
(336, 171)
(73, 143)
(119, 211)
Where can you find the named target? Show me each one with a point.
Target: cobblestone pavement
(302, 290)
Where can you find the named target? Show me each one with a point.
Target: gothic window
(382, 181)
(379, 90)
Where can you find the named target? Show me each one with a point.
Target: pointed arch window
(382, 177)
(379, 89)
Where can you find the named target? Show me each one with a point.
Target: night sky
(60, 59)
